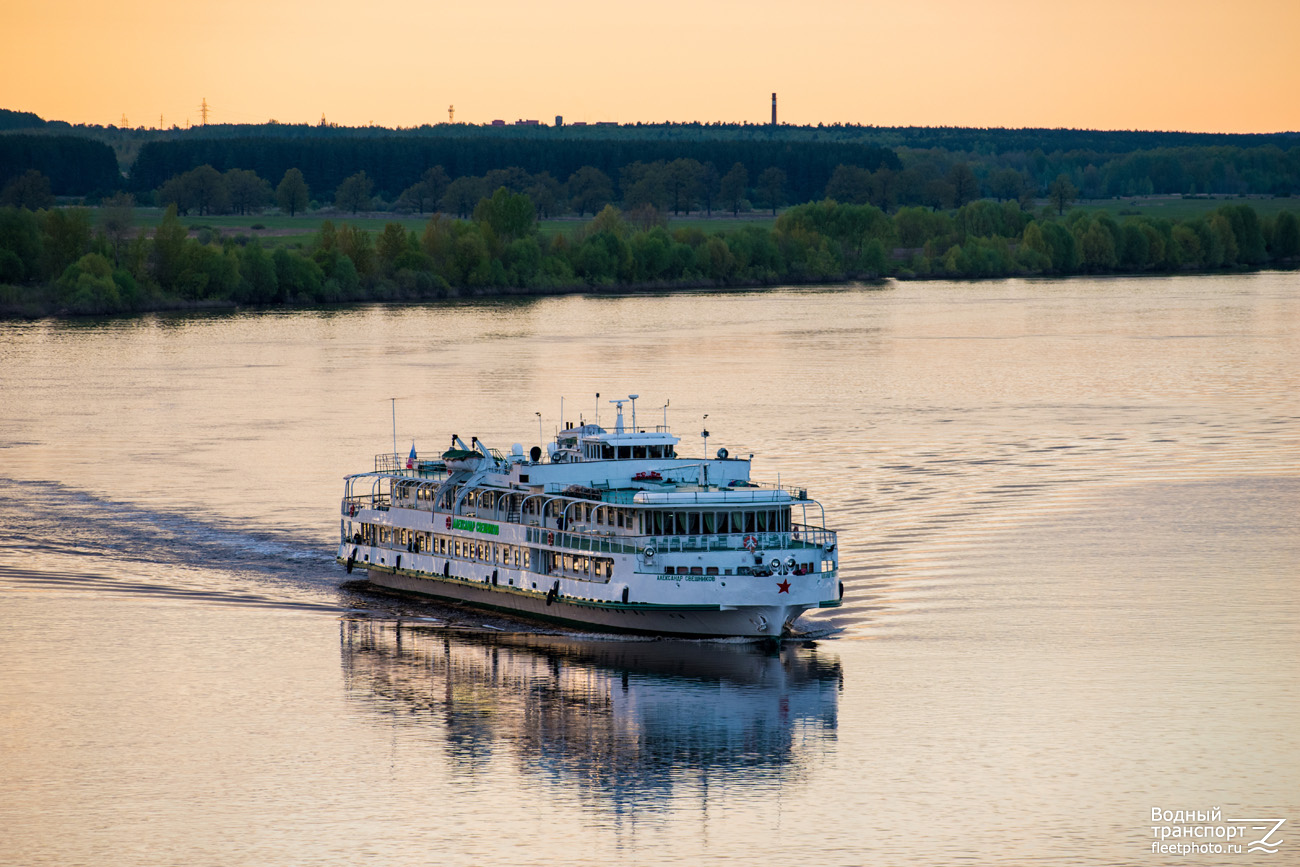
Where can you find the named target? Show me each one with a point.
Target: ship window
(711, 570)
(638, 452)
(710, 522)
(457, 547)
(528, 557)
(624, 452)
(695, 523)
(698, 570)
(670, 570)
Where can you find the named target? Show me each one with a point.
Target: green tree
(260, 284)
(509, 215)
(425, 193)
(168, 252)
(1007, 184)
(1286, 236)
(850, 185)
(590, 189)
(1097, 247)
(393, 242)
(354, 193)
(771, 187)
(66, 234)
(683, 178)
(117, 221)
(709, 181)
(644, 184)
(1061, 193)
(87, 286)
(731, 189)
(546, 193)
(30, 190)
(207, 190)
(462, 195)
(246, 192)
(292, 195)
(965, 187)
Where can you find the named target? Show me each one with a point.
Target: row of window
(446, 546)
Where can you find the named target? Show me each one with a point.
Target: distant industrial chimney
(774, 109)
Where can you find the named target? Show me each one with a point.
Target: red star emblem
(784, 585)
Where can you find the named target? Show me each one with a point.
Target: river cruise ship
(609, 529)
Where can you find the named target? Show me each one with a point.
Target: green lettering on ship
(476, 526)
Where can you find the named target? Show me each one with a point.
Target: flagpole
(394, 401)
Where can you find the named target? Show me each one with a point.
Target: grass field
(1179, 208)
(276, 230)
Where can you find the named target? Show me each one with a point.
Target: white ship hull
(756, 621)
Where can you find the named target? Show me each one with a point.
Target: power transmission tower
(451, 114)
(204, 108)
(124, 123)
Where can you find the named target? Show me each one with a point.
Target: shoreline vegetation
(78, 261)
(274, 215)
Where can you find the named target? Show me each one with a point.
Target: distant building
(606, 123)
(559, 120)
(498, 123)
(528, 123)
(578, 123)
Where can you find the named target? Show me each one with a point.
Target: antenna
(633, 397)
(597, 422)
(394, 401)
(705, 433)
(666, 415)
(204, 108)
(541, 437)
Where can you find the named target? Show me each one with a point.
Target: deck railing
(799, 537)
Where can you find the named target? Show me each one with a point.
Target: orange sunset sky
(1111, 64)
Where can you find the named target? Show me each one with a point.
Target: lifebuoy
(449, 522)
(750, 543)
(352, 510)
(550, 538)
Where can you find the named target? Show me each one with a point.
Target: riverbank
(54, 263)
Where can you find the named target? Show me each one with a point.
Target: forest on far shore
(942, 203)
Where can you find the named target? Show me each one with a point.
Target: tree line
(680, 186)
(392, 164)
(73, 165)
(75, 261)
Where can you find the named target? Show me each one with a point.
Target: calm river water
(1069, 533)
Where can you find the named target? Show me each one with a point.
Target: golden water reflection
(627, 721)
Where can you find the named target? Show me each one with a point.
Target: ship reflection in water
(626, 720)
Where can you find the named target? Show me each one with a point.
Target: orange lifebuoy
(352, 510)
(550, 538)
